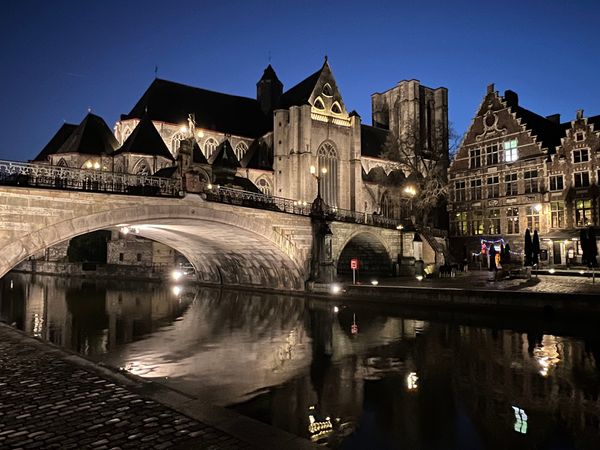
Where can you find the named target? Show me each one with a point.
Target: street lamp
(401, 254)
(313, 172)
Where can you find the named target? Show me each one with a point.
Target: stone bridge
(227, 244)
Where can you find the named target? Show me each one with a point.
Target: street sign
(354, 263)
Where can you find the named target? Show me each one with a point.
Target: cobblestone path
(47, 401)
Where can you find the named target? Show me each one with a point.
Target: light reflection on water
(348, 377)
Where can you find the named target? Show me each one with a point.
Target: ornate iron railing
(249, 199)
(55, 177)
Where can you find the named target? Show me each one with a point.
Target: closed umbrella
(507, 252)
(535, 248)
(528, 247)
(492, 257)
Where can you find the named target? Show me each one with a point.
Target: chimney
(511, 98)
(554, 118)
(490, 88)
(579, 114)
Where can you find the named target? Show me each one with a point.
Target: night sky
(59, 58)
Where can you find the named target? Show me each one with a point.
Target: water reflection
(347, 377)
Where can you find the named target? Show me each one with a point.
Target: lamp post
(322, 264)
(401, 253)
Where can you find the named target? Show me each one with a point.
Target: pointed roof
(145, 140)
(197, 154)
(300, 94)
(224, 156)
(57, 140)
(269, 74)
(166, 172)
(91, 137)
(171, 102)
(259, 156)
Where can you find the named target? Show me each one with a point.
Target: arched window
(175, 142)
(336, 108)
(319, 103)
(240, 150)
(264, 186)
(389, 207)
(327, 158)
(209, 147)
(141, 167)
(327, 91)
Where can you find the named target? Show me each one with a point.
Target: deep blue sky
(60, 57)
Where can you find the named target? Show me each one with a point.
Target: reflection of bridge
(231, 236)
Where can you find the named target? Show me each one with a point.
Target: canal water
(341, 375)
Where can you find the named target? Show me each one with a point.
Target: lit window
(533, 218)
(581, 155)
(264, 186)
(512, 216)
(583, 213)
(556, 183)
(510, 151)
(478, 227)
(581, 179)
(557, 214)
(494, 221)
(209, 147)
(175, 142)
(459, 224)
(520, 420)
(240, 150)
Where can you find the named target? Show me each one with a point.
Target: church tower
(269, 90)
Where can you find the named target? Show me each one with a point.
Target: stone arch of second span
(225, 247)
(372, 252)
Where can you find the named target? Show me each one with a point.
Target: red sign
(354, 263)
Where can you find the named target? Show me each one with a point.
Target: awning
(561, 235)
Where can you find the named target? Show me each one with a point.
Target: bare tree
(425, 168)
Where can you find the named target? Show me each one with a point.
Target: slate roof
(546, 131)
(372, 140)
(269, 74)
(145, 140)
(224, 156)
(197, 154)
(171, 102)
(595, 120)
(166, 172)
(57, 140)
(259, 156)
(91, 137)
(299, 94)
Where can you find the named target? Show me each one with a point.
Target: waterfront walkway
(479, 280)
(50, 398)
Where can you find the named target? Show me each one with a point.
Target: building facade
(517, 170)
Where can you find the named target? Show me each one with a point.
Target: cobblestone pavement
(478, 280)
(47, 401)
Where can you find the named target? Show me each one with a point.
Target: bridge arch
(372, 251)
(226, 247)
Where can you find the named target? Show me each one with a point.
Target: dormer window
(319, 104)
(327, 91)
(335, 108)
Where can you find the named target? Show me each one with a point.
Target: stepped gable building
(266, 144)
(516, 170)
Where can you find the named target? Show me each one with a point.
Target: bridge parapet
(21, 174)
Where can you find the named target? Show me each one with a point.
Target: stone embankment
(50, 398)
